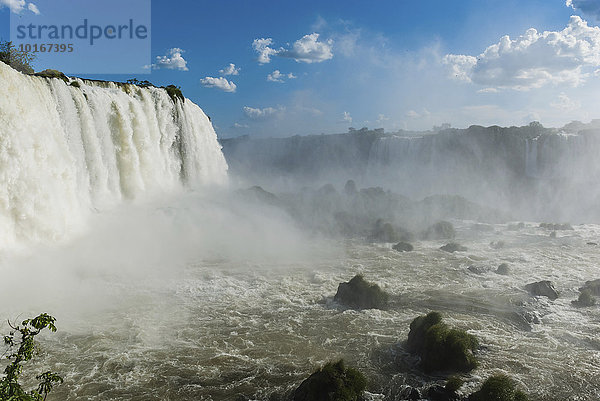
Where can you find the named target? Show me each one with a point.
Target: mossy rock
(498, 388)
(333, 382)
(440, 230)
(403, 247)
(174, 93)
(360, 294)
(453, 247)
(52, 74)
(75, 84)
(454, 384)
(441, 393)
(440, 347)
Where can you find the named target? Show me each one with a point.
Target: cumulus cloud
(262, 47)
(307, 49)
(259, 114)
(17, 6)
(173, 60)
(219, 83)
(588, 7)
(565, 103)
(533, 59)
(277, 76)
(33, 8)
(381, 118)
(231, 69)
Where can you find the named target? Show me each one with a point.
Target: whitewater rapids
(67, 151)
(218, 327)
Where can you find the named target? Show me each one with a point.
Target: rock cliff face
(543, 172)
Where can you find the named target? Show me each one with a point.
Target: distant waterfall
(531, 158)
(66, 150)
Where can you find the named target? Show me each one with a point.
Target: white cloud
(33, 8)
(564, 103)
(588, 7)
(231, 69)
(347, 118)
(412, 114)
(307, 49)
(488, 90)
(258, 114)
(262, 47)
(381, 118)
(533, 59)
(238, 125)
(460, 66)
(219, 83)
(173, 60)
(17, 6)
(277, 76)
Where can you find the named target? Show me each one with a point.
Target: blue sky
(315, 67)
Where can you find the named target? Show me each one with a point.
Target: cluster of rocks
(440, 349)
(587, 293)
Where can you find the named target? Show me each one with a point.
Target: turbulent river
(208, 326)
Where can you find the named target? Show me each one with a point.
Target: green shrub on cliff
(174, 93)
(17, 59)
(49, 73)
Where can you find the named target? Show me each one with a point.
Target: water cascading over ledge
(67, 150)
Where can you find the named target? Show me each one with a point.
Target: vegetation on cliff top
(17, 59)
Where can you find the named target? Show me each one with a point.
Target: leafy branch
(21, 348)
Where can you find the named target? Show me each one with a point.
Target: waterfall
(66, 151)
(531, 158)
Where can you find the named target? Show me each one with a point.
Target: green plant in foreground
(22, 339)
